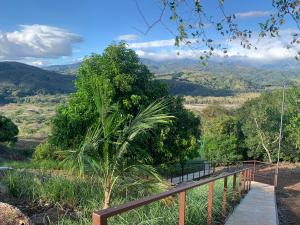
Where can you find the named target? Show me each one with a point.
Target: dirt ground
(288, 194)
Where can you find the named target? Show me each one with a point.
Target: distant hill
(19, 80)
(191, 77)
(68, 69)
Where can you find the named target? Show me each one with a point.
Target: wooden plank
(224, 204)
(99, 220)
(210, 202)
(234, 189)
(181, 208)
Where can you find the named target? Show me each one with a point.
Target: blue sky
(64, 31)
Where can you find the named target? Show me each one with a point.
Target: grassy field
(32, 115)
(74, 200)
(199, 103)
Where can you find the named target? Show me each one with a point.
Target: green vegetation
(132, 88)
(260, 119)
(107, 141)
(33, 114)
(8, 130)
(252, 131)
(81, 196)
(223, 139)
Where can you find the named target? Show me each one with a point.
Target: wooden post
(99, 220)
(247, 180)
(234, 190)
(244, 182)
(240, 184)
(250, 179)
(210, 202)
(254, 166)
(181, 207)
(276, 177)
(224, 205)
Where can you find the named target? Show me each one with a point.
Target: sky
(52, 32)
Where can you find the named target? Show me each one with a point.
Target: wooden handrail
(100, 217)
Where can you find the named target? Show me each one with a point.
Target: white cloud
(128, 37)
(156, 44)
(251, 14)
(37, 63)
(268, 49)
(37, 41)
(152, 44)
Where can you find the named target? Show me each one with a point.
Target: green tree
(180, 140)
(110, 138)
(8, 130)
(223, 139)
(260, 119)
(131, 86)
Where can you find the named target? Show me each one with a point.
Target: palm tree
(109, 140)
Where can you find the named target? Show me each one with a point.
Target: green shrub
(44, 151)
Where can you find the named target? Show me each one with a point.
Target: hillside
(229, 75)
(19, 80)
(217, 78)
(68, 69)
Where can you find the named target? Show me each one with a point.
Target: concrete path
(257, 208)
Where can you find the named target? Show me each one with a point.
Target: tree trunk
(107, 195)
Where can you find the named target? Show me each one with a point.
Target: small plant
(44, 151)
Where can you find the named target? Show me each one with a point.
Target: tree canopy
(260, 119)
(133, 88)
(8, 130)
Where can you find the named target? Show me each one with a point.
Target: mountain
(68, 69)
(19, 80)
(229, 74)
(191, 77)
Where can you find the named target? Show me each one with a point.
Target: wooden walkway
(257, 208)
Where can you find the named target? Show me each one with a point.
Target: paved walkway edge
(258, 207)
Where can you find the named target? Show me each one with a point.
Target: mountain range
(184, 77)
(227, 75)
(20, 80)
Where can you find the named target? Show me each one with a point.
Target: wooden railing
(101, 217)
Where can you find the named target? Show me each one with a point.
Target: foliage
(179, 141)
(111, 138)
(223, 138)
(132, 87)
(8, 130)
(260, 120)
(191, 19)
(45, 151)
(79, 195)
(50, 189)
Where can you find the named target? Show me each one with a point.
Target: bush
(44, 151)
(8, 130)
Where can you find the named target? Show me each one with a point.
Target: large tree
(260, 120)
(131, 86)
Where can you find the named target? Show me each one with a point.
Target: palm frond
(149, 118)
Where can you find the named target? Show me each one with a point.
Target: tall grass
(85, 196)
